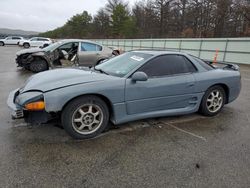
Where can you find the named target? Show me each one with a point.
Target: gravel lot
(185, 151)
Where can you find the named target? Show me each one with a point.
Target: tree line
(160, 19)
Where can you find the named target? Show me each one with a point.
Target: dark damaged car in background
(64, 53)
(132, 86)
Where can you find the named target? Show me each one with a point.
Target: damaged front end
(24, 60)
(28, 105)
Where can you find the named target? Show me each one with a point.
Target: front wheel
(85, 117)
(213, 101)
(26, 45)
(1, 43)
(38, 65)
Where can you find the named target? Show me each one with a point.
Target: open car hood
(59, 78)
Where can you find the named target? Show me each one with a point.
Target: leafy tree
(101, 24)
(119, 19)
(160, 18)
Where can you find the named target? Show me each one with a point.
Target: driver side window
(69, 46)
(167, 65)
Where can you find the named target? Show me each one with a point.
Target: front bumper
(16, 110)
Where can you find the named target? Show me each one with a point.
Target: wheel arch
(225, 87)
(99, 60)
(116, 52)
(41, 57)
(104, 98)
(26, 43)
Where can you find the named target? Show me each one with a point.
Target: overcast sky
(43, 15)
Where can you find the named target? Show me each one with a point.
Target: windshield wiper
(101, 71)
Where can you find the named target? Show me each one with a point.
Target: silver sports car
(69, 52)
(132, 86)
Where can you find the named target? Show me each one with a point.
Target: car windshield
(53, 46)
(123, 64)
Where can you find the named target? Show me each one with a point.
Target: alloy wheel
(214, 101)
(87, 119)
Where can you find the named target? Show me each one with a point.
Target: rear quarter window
(85, 46)
(203, 63)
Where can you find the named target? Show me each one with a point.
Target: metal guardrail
(231, 50)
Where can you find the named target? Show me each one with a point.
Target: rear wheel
(100, 61)
(213, 101)
(85, 117)
(38, 65)
(45, 45)
(26, 45)
(1, 43)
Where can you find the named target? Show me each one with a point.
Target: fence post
(200, 48)
(225, 51)
(165, 42)
(124, 46)
(180, 45)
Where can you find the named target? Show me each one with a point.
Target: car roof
(157, 52)
(76, 40)
(14, 36)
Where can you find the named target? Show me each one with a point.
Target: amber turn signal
(34, 106)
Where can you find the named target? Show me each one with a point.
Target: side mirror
(139, 76)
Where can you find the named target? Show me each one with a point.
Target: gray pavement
(183, 151)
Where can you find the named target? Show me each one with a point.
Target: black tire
(99, 62)
(211, 107)
(26, 45)
(38, 65)
(71, 113)
(1, 43)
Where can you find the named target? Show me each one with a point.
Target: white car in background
(11, 40)
(35, 42)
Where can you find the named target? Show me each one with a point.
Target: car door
(89, 54)
(15, 40)
(34, 42)
(8, 40)
(170, 85)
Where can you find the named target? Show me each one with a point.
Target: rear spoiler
(223, 65)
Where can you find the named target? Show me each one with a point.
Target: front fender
(56, 99)
(40, 55)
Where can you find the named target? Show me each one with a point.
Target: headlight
(32, 101)
(35, 106)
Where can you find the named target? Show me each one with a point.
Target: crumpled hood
(31, 50)
(58, 78)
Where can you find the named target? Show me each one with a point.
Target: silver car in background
(70, 52)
